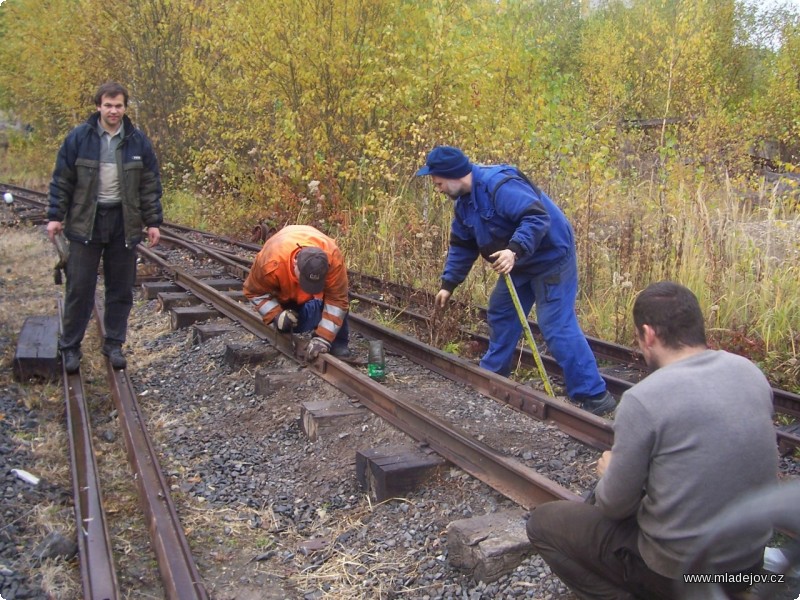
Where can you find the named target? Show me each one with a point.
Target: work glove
(286, 321)
(315, 347)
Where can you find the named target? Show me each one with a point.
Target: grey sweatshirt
(688, 439)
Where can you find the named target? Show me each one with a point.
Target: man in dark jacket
(105, 189)
(503, 217)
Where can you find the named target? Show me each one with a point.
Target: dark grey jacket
(73, 189)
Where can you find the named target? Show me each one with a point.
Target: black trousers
(119, 275)
(595, 557)
(598, 558)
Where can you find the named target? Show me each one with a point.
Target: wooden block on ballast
(183, 316)
(237, 295)
(151, 289)
(226, 283)
(239, 355)
(320, 417)
(395, 471)
(268, 382)
(37, 349)
(167, 300)
(142, 278)
(205, 331)
(489, 546)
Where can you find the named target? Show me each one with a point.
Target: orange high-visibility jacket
(272, 284)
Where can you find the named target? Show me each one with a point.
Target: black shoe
(600, 406)
(342, 352)
(71, 358)
(114, 354)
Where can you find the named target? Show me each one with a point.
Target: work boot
(114, 354)
(600, 405)
(342, 352)
(71, 358)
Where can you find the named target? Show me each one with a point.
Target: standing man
(299, 282)
(106, 188)
(503, 217)
(690, 438)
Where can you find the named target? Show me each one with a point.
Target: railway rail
(506, 475)
(179, 573)
(628, 366)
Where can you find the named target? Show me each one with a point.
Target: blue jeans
(119, 276)
(309, 316)
(554, 294)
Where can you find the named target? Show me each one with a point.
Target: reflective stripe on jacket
(273, 286)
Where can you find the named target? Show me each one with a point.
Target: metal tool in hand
(62, 248)
(529, 335)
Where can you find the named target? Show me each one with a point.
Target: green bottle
(376, 361)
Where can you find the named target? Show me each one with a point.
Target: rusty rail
(519, 483)
(178, 570)
(98, 575)
(592, 430)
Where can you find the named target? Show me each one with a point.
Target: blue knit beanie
(447, 162)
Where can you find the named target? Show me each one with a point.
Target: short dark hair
(110, 88)
(673, 312)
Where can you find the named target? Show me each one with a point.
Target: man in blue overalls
(503, 217)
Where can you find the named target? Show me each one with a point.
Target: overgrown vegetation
(639, 118)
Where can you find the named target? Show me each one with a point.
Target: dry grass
(26, 260)
(339, 571)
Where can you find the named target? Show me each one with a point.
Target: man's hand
(315, 347)
(603, 463)
(153, 236)
(504, 261)
(286, 321)
(441, 299)
(53, 229)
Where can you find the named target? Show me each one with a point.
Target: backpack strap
(517, 174)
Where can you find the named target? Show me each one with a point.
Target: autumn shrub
(26, 161)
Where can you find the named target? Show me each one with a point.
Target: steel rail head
(98, 574)
(179, 572)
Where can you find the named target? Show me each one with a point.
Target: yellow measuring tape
(523, 319)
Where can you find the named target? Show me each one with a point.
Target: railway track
(624, 366)
(496, 468)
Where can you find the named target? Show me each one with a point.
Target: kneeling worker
(299, 282)
(689, 439)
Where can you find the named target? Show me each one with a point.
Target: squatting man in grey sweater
(693, 436)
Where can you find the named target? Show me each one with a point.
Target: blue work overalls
(504, 210)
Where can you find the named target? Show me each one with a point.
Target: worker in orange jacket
(299, 282)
